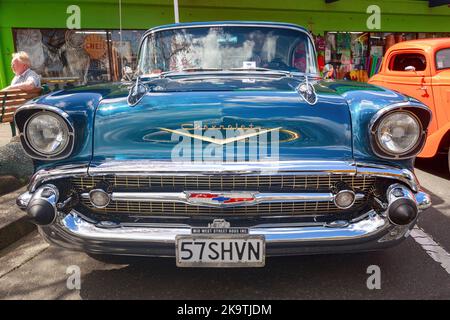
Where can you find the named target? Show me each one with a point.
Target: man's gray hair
(23, 57)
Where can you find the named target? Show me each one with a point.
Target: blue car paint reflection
(335, 128)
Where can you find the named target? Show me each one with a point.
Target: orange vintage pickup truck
(421, 69)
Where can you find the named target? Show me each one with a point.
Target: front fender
(434, 141)
(365, 101)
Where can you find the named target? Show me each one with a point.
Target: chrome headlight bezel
(64, 130)
(33, 111)
(414, 142)
(421, 115)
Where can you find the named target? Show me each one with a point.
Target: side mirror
(137, 92)
(410, 68)
(127, 74)
(328, 71)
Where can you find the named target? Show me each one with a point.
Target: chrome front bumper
(370, 231)
(373, 232)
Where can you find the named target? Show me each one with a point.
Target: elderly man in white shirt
(25, 79)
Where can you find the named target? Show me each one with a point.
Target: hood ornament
(307, 92)
(137, 92)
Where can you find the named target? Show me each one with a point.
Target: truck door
(441, 87)
(409, 72)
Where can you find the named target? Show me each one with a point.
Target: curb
(14, 231)
(14, 222)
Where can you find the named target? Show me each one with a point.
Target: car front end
(222, 165)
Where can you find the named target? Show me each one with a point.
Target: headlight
(47, 133)
(398, 133)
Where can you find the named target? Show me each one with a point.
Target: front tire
(448, 160)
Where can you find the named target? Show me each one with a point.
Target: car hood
(151, 129)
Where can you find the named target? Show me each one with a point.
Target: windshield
(443, 59)
(227, 47)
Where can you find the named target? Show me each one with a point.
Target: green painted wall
(343, 15)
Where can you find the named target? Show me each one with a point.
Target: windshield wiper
(287, 73)
(284, 73)
(201, 69)
(171, 72)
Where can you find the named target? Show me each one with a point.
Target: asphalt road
(33, 270)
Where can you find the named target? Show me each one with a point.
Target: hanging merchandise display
(358, 55)
(347, 52)
(321, 49)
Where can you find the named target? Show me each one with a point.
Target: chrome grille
(275, 183)
(180, 209)
(228, 182)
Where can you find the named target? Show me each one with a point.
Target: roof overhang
(431, 3)
(437, 3)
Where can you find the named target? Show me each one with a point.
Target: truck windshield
(443, 59)
(227, 47)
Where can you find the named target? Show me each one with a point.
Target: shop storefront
(99, 51)
(87, 56)
(358, 55)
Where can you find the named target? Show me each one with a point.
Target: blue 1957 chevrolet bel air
(225, 148)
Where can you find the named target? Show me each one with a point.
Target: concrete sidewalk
(13, 221)
(5, 133)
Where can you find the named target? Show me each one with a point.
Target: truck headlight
(398, 133)
(47, 134)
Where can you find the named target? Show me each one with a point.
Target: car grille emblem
(222, 199)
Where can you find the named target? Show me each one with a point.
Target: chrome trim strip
(148, 168)
(210, 75)
(293, 197)
(393, 107)
(146, 196)
(183, 197)
(44, 107)
(230, 24)
(83, 230)
(404, 175)
(66, 171)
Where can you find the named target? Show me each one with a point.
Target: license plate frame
(220, 238)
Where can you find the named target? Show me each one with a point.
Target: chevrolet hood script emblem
(220, 141)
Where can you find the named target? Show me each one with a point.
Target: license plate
(220, 251)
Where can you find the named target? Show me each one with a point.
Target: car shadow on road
(341, 276)
(437, 166)
(435, 199)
